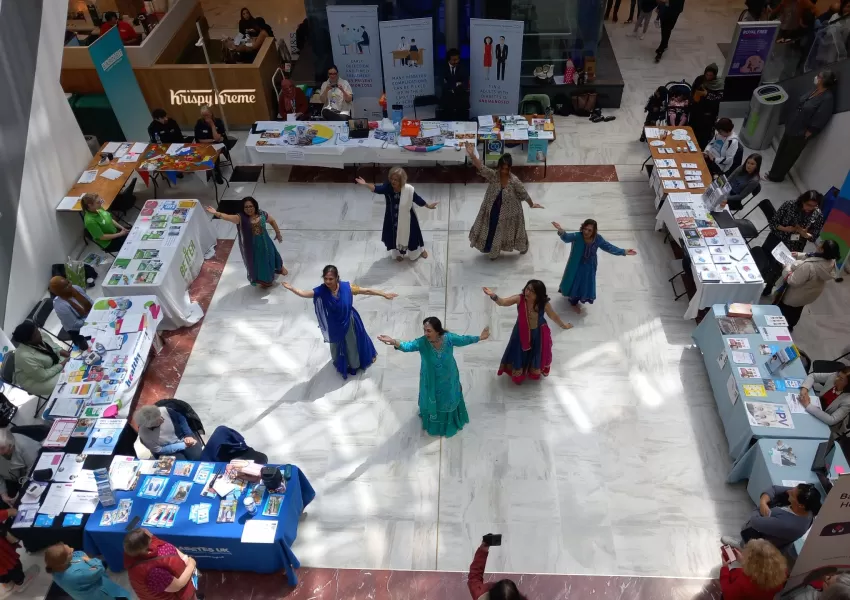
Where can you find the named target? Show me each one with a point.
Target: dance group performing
(499, 227)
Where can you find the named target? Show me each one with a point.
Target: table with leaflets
(318, 143)
(105, 176)
(72, 450)
(678, 162)
(181, 502)
(162, 255)
(122, 331)
(754, 402)
(720, 260)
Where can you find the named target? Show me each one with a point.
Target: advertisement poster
(752, 48)
(495, 57)
(357, 55)
(119, 82)
(537, 150)
(407, 51)
(768, 414)
(826, 550)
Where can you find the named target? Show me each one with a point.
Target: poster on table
(752, 48)
(768, 414)
(357, 54)
(537, 150)
(495, 57)
(826, 550)
(119, 82)
(407, 51)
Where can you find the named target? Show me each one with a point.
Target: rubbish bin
(763, 116)
(94, 145)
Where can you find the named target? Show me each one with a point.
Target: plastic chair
(761, 259)
(431, 101)
(685, 273)
(738, 205)
(826, 366)
(736, 162)
(7, 411)
(535, 104)
(124, 201)
(39, 315)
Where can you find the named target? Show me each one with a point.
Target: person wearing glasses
(336, 96)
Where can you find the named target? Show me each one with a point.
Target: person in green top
(105, 231)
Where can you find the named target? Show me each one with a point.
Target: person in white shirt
(336, 97)
(721, 150)
(402, 45)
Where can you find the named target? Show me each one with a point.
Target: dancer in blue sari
(342, 328)
(441, 404)
(261, 258)
(579, 280)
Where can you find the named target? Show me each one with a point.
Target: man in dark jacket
(454, 103)
(670, 11)
(163, 129)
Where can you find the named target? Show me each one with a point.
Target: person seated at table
(783, 515)
(721, 150)
(81, 577)
(759, 573)
(166, 432)
(129, 36)
(72, 306)
(38, 361)
(834, 394)
(156, 568)
(247, 51)
(210, 130)
(165, 130)
(743, 181)
(247, 23)
(106, 232)
(336, 96)
(292, 101)
(13, 578)
(18, 454)
(830, 587)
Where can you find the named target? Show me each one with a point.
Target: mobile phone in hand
(133, 524)
(493, 539)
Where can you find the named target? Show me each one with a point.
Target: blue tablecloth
(215, 546)
(739, 433)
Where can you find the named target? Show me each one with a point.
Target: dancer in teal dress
(261, 258)
(441, 405)
(579, 280)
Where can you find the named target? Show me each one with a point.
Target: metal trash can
(93, 144)
(763, 116)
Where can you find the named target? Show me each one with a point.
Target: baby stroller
(678, 106)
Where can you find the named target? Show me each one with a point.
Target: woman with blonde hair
(103, 228)
(401, 233)
(81, 577)
(759, 573)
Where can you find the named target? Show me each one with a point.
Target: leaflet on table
(783, 455)
(26, 516)
(769, 414)
(732, 389)
(124, 472)
(259, 531)
(200, 513)
(69, 469)
(160, 515)
(88, 176)
(49, 460)
(60, 433)
(111, 174)
(105, 436)
(85, 481)
(794, 404)
(68, 202)
(82, 502)
(775, 334)
(57, 497)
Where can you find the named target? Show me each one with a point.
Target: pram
(678, 104)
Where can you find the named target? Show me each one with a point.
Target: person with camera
(504, 589)
(336, 96)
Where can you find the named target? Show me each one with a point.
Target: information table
(125, 159)
(215, 546)
(38, 538)
(331, 152)
(682, 153)
(730, 277)
(162, 255)
(86, 390)
(748, 410)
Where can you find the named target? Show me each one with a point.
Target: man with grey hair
(210, 130)
(18, 454)
(166, 432)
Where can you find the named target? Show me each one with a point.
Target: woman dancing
(261, 258)
(441, 405)
(500, 224)
(579, 281)
(529, 351)
(401, 235)
(342, 328)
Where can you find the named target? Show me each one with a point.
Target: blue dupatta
(332, 312)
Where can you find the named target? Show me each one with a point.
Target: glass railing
(824, 44)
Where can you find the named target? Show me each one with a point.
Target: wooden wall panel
(80, 81)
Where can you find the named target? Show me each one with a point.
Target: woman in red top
(488, 56)
(834, 393)
(157, 570)
(758, 574)
(12, 576)
(504, 589)
(292, 101)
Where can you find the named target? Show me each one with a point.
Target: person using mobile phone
(758, 572)
(336, 96)
(504, 588)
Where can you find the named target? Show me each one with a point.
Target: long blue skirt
(357, 350)
(583, 288)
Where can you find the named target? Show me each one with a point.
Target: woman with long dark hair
(38, 362)
(805, 279)
(744, 181)
(529, 351)
(342, 328)
(247, 23)
(262, 260)
(579, 280)
(441, 404)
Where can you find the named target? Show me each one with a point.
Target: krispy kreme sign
(209, 97)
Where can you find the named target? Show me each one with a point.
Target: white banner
(357, 55)
(407, 51)
(495, 56)
(825, 551)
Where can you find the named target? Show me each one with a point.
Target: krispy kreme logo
(200, 97)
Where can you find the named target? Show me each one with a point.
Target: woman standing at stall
(401, 233)
(262, 260)
(500, 224)
(342, 328)
(441, 404)
(579, 280)
(529, 351)
(805, 280)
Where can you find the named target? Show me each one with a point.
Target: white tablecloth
(708, 293)
(180, 257)
(122, 368)
(336, 154)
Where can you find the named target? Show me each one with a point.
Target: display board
(407, 50)
(357, 54)
(495, 60)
